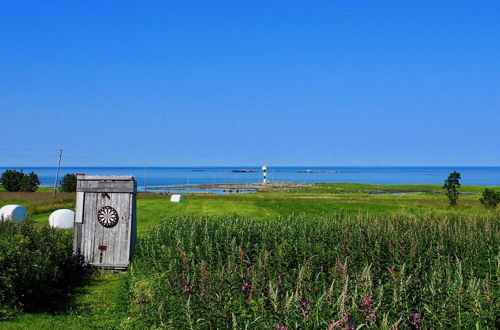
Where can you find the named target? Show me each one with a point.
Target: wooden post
(145, 178)
(57, 173)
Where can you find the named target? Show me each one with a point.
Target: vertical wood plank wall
(117, 243)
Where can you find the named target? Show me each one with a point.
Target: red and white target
(107, 216)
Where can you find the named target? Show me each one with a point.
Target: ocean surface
(175, 176)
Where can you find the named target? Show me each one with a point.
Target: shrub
(37, 268)
(68, 183)
(30, 182)
(452, 185)
(297, 272)
(490, 198)
(13, 180)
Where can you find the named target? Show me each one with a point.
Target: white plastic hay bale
(62, 218)
(176, 198)
(13, 212)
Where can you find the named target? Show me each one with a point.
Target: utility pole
(57, 173)
(146, 178)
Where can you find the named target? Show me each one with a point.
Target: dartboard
(107, 216)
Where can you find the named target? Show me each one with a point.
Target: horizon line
(238, 166)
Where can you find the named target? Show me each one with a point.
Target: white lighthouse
(264, 174)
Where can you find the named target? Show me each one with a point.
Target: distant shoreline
(181, 176)
(256, 186)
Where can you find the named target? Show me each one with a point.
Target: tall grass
(341, 272)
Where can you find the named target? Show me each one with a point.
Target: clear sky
(250, 82)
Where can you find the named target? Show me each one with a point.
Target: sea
(182, 176)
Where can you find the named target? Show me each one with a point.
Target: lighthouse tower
(264, 174)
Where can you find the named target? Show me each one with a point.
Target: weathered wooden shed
(105, 221)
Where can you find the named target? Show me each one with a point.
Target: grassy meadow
(324, 256)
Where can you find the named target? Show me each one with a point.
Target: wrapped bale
(62, 218)
(16, 213)
(176, 198)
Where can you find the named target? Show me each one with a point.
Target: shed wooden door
(101, 245)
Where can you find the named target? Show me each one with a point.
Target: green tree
(11, 180)
(29, 183)
(68, 183)
(452, 185)
(490, 198)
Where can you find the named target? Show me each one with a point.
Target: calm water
(170, 176)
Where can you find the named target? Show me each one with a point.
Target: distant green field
(318, 200)
(91, 308)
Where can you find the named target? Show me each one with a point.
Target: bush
(452, 185)
(13, 180)
(30, 182)
(235, 272)
(68, 183)
(490, 198)
(37, 268)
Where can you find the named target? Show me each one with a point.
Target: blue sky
(181, 83)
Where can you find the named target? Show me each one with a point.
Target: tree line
(18, 181)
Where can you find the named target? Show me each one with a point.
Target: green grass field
(319, 200)
(94, 305)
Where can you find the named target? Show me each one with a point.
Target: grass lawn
(152, 207)
(90, 309)
(91, 303)
(320, 199)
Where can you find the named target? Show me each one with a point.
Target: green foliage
(452, 185)
(102, 305)
(30, 182)
(298, 272)
(37, 268)
(490, 198)
(13, 180)
(68, 183)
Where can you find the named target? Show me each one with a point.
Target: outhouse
(105, 221)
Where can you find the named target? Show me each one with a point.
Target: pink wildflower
(368, 302)
(245, 286)
(415, 321)
(372, 317)
(303, 303)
